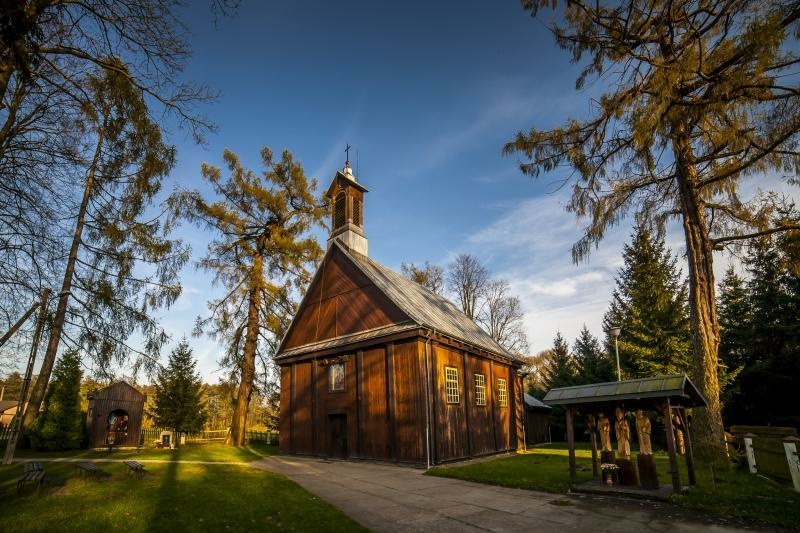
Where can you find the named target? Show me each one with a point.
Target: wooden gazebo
(666, 395)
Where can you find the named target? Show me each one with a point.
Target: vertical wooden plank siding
(492, 385)
(434, 404)
(467, 388)
(375, 422)
(314, 407)
(390, 400)
(284, 427)
(519, 435)
(408, 403)
(292, 446)
(302, 410)
(360, 401)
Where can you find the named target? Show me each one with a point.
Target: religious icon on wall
(336, 377)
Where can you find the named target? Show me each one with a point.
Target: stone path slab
(392, 498)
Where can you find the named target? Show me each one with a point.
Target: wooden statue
(678, 426)
(643, 431)
(623, 435)
(605, 432)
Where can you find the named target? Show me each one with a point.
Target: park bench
(88, 469)
(134, 467)
(31, 473)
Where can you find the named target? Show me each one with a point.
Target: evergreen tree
(649, 304)
(179, 388)
(261, 255)
(593, 364)
(560, 368)
(772, 366)
(59, 426)
(735, 319)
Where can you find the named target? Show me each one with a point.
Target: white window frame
(480, 389)
(502, 392)
(452, 394)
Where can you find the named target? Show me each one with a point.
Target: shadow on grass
(165, 495)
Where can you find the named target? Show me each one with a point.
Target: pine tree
(696, 102)
(60, 424)
(261, 255)
(593, 364)
(179, 388)
(649, 304)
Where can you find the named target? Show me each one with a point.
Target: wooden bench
(88, 469)
(134, 467)
(32, 467)
(31, 474)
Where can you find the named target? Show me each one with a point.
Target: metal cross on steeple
(347, 152)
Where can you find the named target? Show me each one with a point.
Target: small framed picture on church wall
(336, 377)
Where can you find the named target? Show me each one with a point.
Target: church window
(480, 389)
(336, 377)
(451, 384)
(339, 210)
(502, 392)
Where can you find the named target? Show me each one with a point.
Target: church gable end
(340, 301)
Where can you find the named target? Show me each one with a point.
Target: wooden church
(375, 366)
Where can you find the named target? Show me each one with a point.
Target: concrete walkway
(393, 498)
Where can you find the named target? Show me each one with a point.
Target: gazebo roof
(678, 389)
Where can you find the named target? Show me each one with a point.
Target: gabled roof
(349, 180)
(425, 308)
(116, 389)
(535, 403)
(679, 389)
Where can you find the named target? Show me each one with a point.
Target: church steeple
(346, 198)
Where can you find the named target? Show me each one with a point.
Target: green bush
(59, 426)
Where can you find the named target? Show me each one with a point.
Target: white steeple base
(352, 237)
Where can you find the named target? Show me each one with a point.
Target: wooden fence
(151, 435)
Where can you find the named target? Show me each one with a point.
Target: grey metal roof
(536, 403)
(424, 306)
(678, 389)
(348, 339)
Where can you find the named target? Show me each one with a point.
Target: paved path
(393, 498)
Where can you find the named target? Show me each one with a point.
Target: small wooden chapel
(375, 366)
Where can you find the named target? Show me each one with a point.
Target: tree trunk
(57, 327)
(249, 354)
(707, 423)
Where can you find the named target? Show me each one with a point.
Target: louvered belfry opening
(346, 197)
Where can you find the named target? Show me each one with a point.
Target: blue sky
(426, 93)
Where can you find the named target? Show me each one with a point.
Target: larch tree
(121, 265)
(501, 316)
(649, 304)
(467, 278)
(428, 275)
(178, 397)
(261, 256)
(700, 95)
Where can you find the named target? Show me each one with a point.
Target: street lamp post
(615, 333)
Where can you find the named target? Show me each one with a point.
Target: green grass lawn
(731, 493)
(170, 497)
(189, 452)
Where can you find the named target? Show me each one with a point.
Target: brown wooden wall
(104, 402)
(385, 404)
(340, 301)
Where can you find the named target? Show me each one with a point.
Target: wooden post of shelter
(593, 438)
(673, 460)
(687, 439)
(571, 446)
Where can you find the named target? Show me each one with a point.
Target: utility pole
(16, 424)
